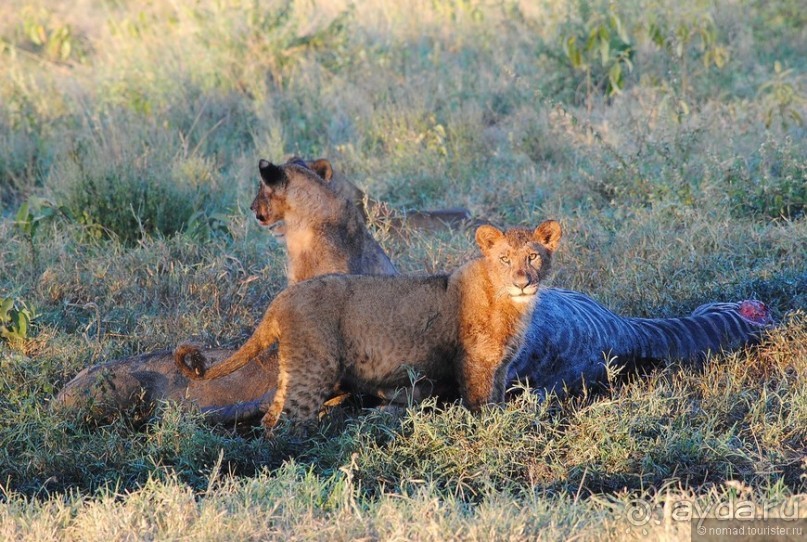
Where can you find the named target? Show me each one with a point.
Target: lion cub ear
(486, 237)
(270, 173)
(548, 234)
(322, 167)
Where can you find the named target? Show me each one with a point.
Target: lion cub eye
(505, 260)
(533, 256)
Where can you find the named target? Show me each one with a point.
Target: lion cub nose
(521, 280)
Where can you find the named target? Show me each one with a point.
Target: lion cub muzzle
(260, 206)
(524, 287)
(269, 204)
(522, 295)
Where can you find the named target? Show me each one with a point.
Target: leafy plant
(693, 34)
(32, 214)
(52, 39)
(273, 37)
(15, 320)
(601, 50)
(782, 98)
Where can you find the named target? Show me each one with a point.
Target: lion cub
(465, 327)
(324, 231)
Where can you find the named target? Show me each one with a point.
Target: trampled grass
(132, 132)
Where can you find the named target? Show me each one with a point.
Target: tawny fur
(324, 231)
(399, 223)
(316, 203)
(373, 331)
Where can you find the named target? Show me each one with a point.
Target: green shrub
(596, 52)
(23, 150)
(685, 36)
(772, 184)
(782, 98)
(129, 198)
(15, 320)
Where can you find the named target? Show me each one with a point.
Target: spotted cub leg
(305, 381)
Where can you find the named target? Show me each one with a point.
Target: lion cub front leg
(304, 383)
(483, 380)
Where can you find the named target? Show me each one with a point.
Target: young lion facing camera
(465, 327)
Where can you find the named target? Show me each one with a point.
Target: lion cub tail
(191, 362)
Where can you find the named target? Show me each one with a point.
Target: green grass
(133, 134)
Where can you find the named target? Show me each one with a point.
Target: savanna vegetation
(668, 138)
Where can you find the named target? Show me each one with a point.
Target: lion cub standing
(465, 327)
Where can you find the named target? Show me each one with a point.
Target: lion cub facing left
(465, 327)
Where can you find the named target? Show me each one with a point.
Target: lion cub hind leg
(305, 381)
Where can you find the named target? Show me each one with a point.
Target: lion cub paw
(190, 361)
